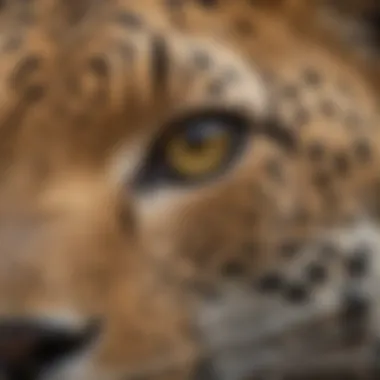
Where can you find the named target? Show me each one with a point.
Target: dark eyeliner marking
(159, 63)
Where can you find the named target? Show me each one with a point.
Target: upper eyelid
(142, 148)
(272, 128)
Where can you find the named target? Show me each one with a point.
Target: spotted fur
(275, 258)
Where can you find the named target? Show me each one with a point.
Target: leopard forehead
(120, 57)
(121, 61)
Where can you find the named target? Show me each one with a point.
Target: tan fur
(77, 239)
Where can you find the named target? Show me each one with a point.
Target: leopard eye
(195, 148)
(199, 149)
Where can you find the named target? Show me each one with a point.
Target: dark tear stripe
(159, 64)
(9, 129)
(24, 68)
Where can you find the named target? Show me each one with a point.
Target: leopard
(189, 190)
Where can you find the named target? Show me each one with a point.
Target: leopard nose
(28, 347)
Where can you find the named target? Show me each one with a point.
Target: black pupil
(197, 136)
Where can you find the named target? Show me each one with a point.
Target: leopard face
(188, 190)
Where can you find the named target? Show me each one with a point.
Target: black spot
(289, 249)
(232, 268)
(274, 170)
(316, 273)
(296, 292)
(25, 69)
(316, 151)
(362, 151)
(269, 283)
(327, 108)
(202, 60)
(289, 91)
(160, 63)
(312, 77)
(208, 3)
(75, 11)
(371, 19)
(355, 305)
(354, 315)
(204, 371)
(129, 19)
(34, 93)
(341, 163)
(177, 13)
(358, 263)
(322, 179)
(98, 65)
(244, 27)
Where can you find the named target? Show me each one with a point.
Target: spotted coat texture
(274, 259)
